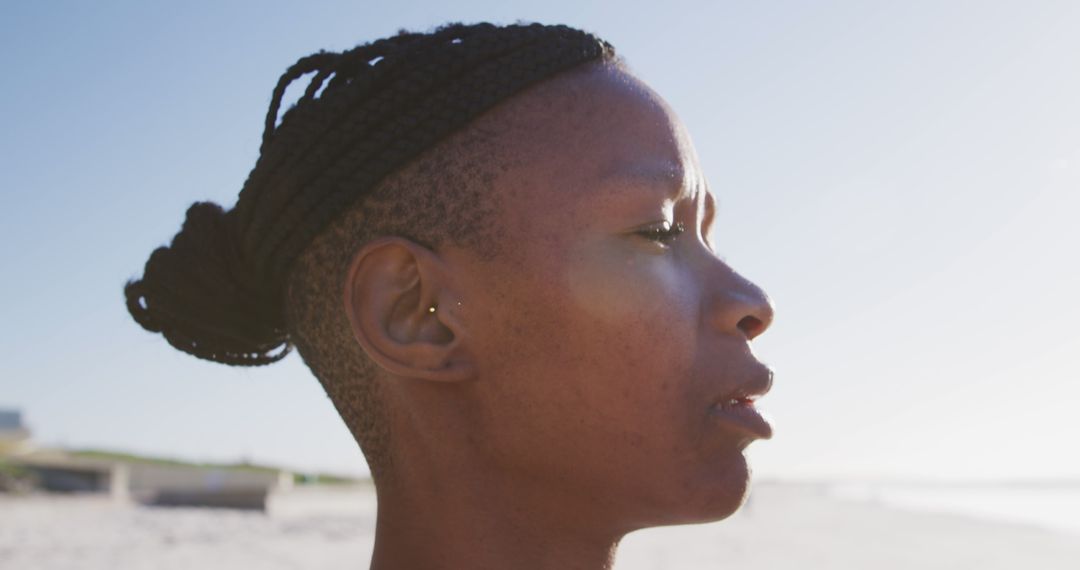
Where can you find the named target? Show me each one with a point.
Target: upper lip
(756, 385)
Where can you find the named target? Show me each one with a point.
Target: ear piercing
(431, 309)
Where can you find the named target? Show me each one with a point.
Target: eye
(664, 233)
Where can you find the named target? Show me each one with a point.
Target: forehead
(595, 133)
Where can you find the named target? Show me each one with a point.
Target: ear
(402, 311)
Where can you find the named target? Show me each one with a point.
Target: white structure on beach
(151, 481)
(157, 483)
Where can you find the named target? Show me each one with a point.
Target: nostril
(751, 326)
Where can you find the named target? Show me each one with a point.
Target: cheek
(633, 319)
(597, 351)
(629, 325)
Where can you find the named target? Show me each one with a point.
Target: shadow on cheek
(608, 290)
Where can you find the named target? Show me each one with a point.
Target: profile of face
(609, 344)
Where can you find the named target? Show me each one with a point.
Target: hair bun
(202, 295)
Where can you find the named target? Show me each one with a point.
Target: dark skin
(564, 393)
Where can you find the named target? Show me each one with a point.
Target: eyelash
(663, 234)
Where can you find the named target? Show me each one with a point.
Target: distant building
(145, 480)
(155, 483)
(13, 434)
(10, 419)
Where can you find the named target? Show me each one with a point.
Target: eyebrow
(668, 175)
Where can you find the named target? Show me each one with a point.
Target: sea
(1051, 505)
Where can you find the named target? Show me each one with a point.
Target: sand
(784, 526)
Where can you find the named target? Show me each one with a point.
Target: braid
(385, 92)
(216, 290)
(393, 142)
(200, 265)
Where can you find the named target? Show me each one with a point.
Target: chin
(722, 496)
(707, 496)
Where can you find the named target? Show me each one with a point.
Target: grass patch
(10, 469)
(299, 478)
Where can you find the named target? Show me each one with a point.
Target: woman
(490, 245)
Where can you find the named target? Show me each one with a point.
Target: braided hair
(216, 291)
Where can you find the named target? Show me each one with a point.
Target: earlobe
(399, 301)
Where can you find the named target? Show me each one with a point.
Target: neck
(480, 522)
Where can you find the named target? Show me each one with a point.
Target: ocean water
(1051, 506)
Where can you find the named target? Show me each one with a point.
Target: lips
(736, 409)
(756, 385)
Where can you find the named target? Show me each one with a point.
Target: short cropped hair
(444, 197)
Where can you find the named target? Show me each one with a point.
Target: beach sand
(783, 526)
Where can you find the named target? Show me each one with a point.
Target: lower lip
(743, 417)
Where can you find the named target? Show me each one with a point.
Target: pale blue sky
(902, 177)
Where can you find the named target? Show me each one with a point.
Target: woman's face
(612, 343)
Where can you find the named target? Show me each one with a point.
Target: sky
(903, 179)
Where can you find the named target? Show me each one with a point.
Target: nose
(738, 306)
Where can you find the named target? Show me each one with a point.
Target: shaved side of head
(445, 196)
